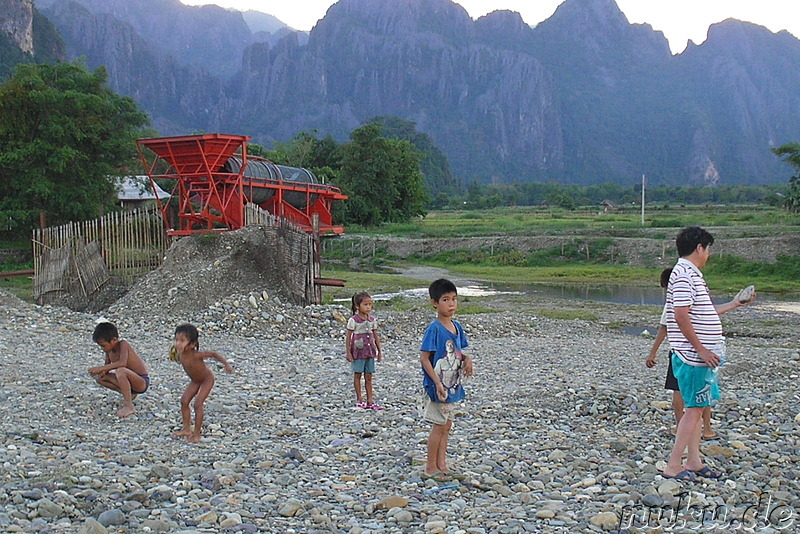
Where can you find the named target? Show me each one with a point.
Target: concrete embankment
(646, 251)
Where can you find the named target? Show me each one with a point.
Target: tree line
(554, 194)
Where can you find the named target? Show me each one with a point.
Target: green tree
(434, 164)
(304, 150)
(382, 178)
(63, 132)
(561, 199)
(791, 155)
(320, 156)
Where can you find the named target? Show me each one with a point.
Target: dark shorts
(671, 382)
(146, 385)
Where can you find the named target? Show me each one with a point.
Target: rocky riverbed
(563, 430)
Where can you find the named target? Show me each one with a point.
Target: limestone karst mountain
(583, 97)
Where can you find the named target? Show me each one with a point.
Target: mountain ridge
(583, 97)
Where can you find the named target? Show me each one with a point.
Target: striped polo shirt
(687, 287)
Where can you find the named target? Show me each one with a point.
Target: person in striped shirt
(671, 383)
(694, 331)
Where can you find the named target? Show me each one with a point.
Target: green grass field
(511, 267)
(550, 266)
(520, 220)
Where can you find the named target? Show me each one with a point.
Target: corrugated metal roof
(137, 188)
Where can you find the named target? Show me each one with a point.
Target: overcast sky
(678, 19)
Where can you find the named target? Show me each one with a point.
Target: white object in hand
(746, 294)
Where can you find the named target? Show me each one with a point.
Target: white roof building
(133, 191)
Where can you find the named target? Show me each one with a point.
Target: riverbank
(563, 429)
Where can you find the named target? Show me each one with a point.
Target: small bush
(666, 223)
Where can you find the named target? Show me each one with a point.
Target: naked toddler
(202, 379)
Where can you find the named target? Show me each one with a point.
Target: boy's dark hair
(440, 287)
(191, 333)
(665, 276)
(690, 237)
(357, 299)
(105, 332)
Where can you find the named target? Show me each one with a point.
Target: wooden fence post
(316, 273)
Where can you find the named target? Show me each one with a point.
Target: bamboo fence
(79, 257)
(296, 254)
(131, 244)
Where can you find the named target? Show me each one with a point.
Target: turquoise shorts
(696, 392)
(366, 366)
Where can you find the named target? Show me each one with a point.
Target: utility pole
(643, 182)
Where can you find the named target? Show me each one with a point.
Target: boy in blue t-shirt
(443, 366)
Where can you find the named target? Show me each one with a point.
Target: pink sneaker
(362, 405)
(375, 407)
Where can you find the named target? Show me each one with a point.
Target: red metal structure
(215, 178)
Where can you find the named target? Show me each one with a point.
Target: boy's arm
(466, 365)
(466, 361)
(98, 369)
(425, 360)
(122, 361)
(220, 358)
(651, 358)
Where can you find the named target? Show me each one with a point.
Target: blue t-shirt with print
(446, 359)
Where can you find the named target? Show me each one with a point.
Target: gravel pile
(563, 429)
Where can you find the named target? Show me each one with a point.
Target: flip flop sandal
(684, 476)
(707, 472)
(437, 476)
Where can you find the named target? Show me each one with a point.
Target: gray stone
(156, 525)
(652, 501)
(91, 526)
(404, 516)
(290, 507)
(111, 517)
(48, 509)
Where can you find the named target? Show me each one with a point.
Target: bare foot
(182, 433)
(194, 438)
(126, 410)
